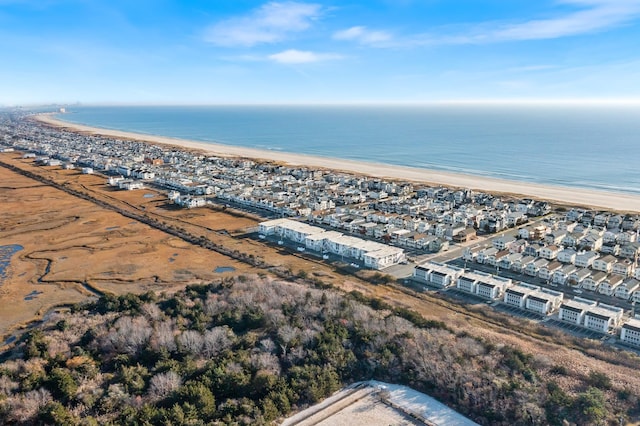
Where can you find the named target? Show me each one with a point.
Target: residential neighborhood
(380, 223)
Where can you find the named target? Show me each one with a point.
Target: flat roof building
(630, 332)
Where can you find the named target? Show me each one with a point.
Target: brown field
(69, 241)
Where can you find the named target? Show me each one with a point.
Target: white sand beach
(564, 195)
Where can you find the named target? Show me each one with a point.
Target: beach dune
(564, 195)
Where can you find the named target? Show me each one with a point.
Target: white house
(567, 256)
(546, 272)
(602, 317)
(624, 267)
(485, 254)
(604, 264)
(519, 265)
(593, 282)
(573, 311)
(437, 274)
(493, 287)
(503, 242)
(586, 259)
(630, 332)
(549, 252)
(627, 288)
(383, 258)
(544, 301)
(577, 277)
(609, 285)
(517, 295)
(533, 268)
(471, 253)
(561, 276)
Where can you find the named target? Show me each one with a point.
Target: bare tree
(191, 341)
(128, 335)
(152, 311)
(266, 362)
(162, 384)
(25, 407)
(7, 386)
(163, 337)
(216, 340)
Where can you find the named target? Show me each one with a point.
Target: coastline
(564, 195)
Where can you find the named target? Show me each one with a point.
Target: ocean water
(577, 146)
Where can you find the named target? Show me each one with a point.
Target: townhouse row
(374, 255)
(607, 275)
(578, 311)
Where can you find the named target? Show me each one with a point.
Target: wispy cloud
(270, 23)
(362, 35)
(293, 56)
(590, 16)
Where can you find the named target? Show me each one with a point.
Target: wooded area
(253, 349)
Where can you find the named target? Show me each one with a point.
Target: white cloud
(293, 56)
(591, 16)
(362, 35)
(270, 23)
(597, 15)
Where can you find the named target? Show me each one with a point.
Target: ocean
(592, 147)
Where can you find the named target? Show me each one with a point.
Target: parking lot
(468, 297)
(576, 330)
(519, 312)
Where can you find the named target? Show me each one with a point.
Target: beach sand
(564, 195)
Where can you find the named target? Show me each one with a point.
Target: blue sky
(348, 51)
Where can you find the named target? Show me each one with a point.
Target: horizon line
(479, 102)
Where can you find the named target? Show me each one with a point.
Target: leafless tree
(163, 337)
(216, 340)
(191, 341)
(152, 311)
(162, 384)
(25, 407)
(128, 335)
(266, 362)
(7, 386)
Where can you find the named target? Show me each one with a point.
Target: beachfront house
(544, 301)
(492, 287)
(517, 295)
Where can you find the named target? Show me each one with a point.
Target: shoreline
(558, 194)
